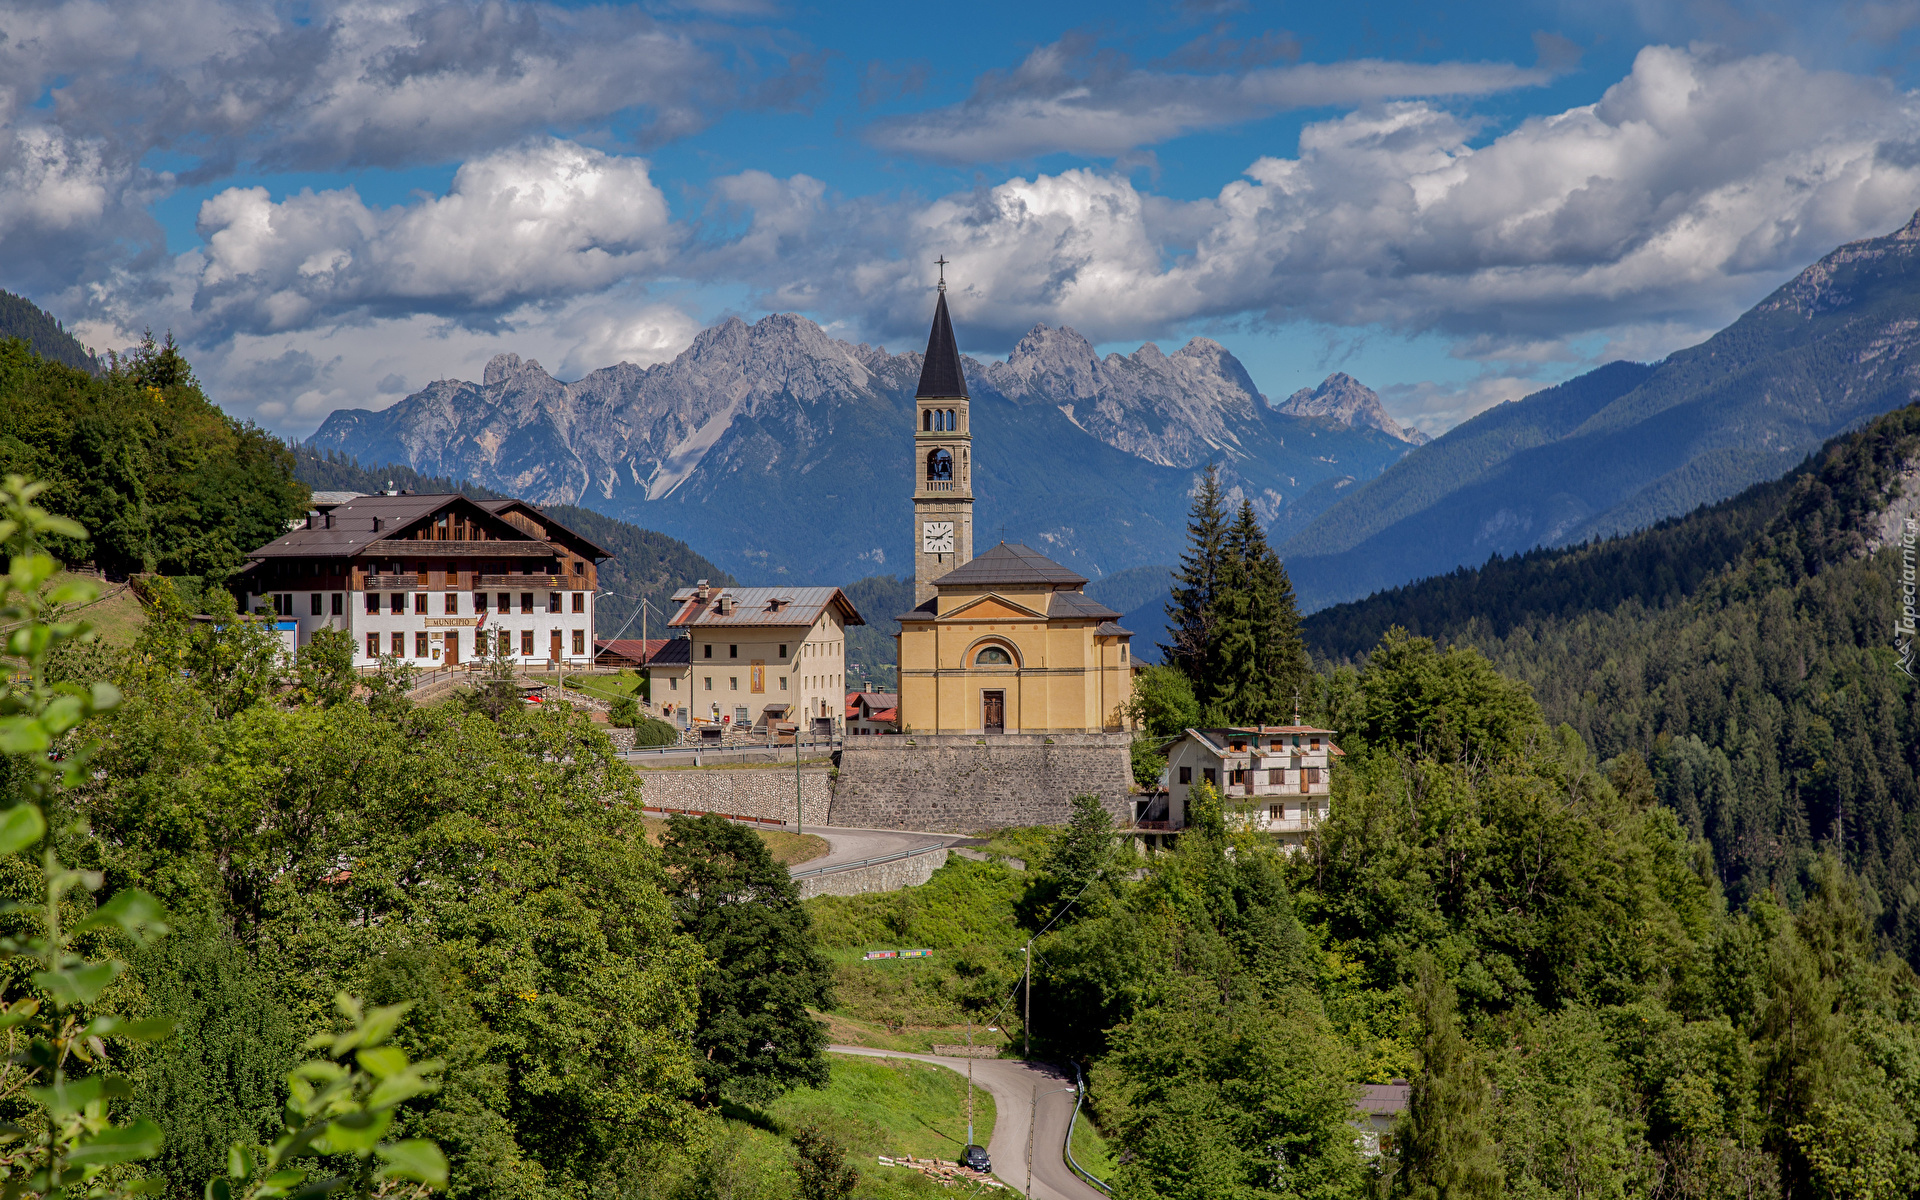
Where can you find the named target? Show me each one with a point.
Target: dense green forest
(645, 564)
(159, 476)
(1747, 651)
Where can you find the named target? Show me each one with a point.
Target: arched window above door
(993, 656)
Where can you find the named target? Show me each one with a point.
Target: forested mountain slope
(22, 318)
(1748, 650)
(1626, 446)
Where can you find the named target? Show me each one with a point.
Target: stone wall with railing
(962, 784)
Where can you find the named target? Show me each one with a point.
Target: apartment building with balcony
(1272, 778)
(428, 578)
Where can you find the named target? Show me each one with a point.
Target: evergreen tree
(1191, 615)
(1259, 666)
(1447, 1150)
(755, 1038)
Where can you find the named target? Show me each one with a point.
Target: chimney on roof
(702, 590)
(726, 605)
(376, 524)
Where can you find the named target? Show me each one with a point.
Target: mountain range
(779, 451)
(1629, 444)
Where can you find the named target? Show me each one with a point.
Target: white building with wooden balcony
(1272, 778)
(428, 578)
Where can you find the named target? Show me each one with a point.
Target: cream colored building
(1272, 778)
(760, 654)
(1011, 644)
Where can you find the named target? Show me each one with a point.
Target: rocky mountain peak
(1340, 397)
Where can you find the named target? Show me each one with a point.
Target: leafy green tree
(55, 1037)
(161, 479)
(1447, 1150)
(1163, 703)
(323, 671)
(825, 1173)
(343, 1106)
(218, 1080)
(755, 1037)
(390, 687)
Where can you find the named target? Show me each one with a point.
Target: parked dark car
(976, 1157)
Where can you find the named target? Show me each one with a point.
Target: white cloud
(1692, 187)
(547, 219)
(93, 92)
(1063, 98)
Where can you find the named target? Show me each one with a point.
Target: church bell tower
(942, 458)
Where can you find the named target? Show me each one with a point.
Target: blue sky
(333, 204)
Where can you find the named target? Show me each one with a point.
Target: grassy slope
(116, 617)
(870, 1107)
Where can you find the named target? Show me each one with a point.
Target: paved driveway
(1012, 1084)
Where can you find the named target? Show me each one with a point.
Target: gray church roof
(940, 376)
(1011, 563)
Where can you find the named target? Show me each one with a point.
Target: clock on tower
(942, 459)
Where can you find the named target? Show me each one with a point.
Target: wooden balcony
(551, 583)
(392, 583)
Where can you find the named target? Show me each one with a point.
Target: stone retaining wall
(766, 792)
(963, 784)
(880, 877)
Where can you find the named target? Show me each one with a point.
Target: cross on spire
(942, 263)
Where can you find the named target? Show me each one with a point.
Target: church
(1007, 642)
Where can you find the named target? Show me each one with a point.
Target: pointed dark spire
(941, 377)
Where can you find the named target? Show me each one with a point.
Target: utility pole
(799, 805)
(1026, 1022)
(969, 1081)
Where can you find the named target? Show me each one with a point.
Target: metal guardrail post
(1080, 1093)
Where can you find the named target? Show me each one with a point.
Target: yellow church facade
(1011, 644)
(1008, 642)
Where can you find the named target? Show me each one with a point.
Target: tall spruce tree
(1259, 666)
(1447, 1150)
(1191, 615)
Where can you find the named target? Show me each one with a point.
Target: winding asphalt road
(1012, 1085)
(852, 845)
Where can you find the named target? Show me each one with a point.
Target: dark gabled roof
(1113, 629)
(347, 530)
(1011, 563)
(1078, 604)
(500, 507)
(940, 376)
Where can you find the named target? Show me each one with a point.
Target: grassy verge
(608, 687)
(786, 848)
(116, 617)
(845, 1030)
(870, 1107)
(1091, 1150)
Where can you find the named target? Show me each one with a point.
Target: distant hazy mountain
(1345, 399)
(1627, 445)
(776, 450)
